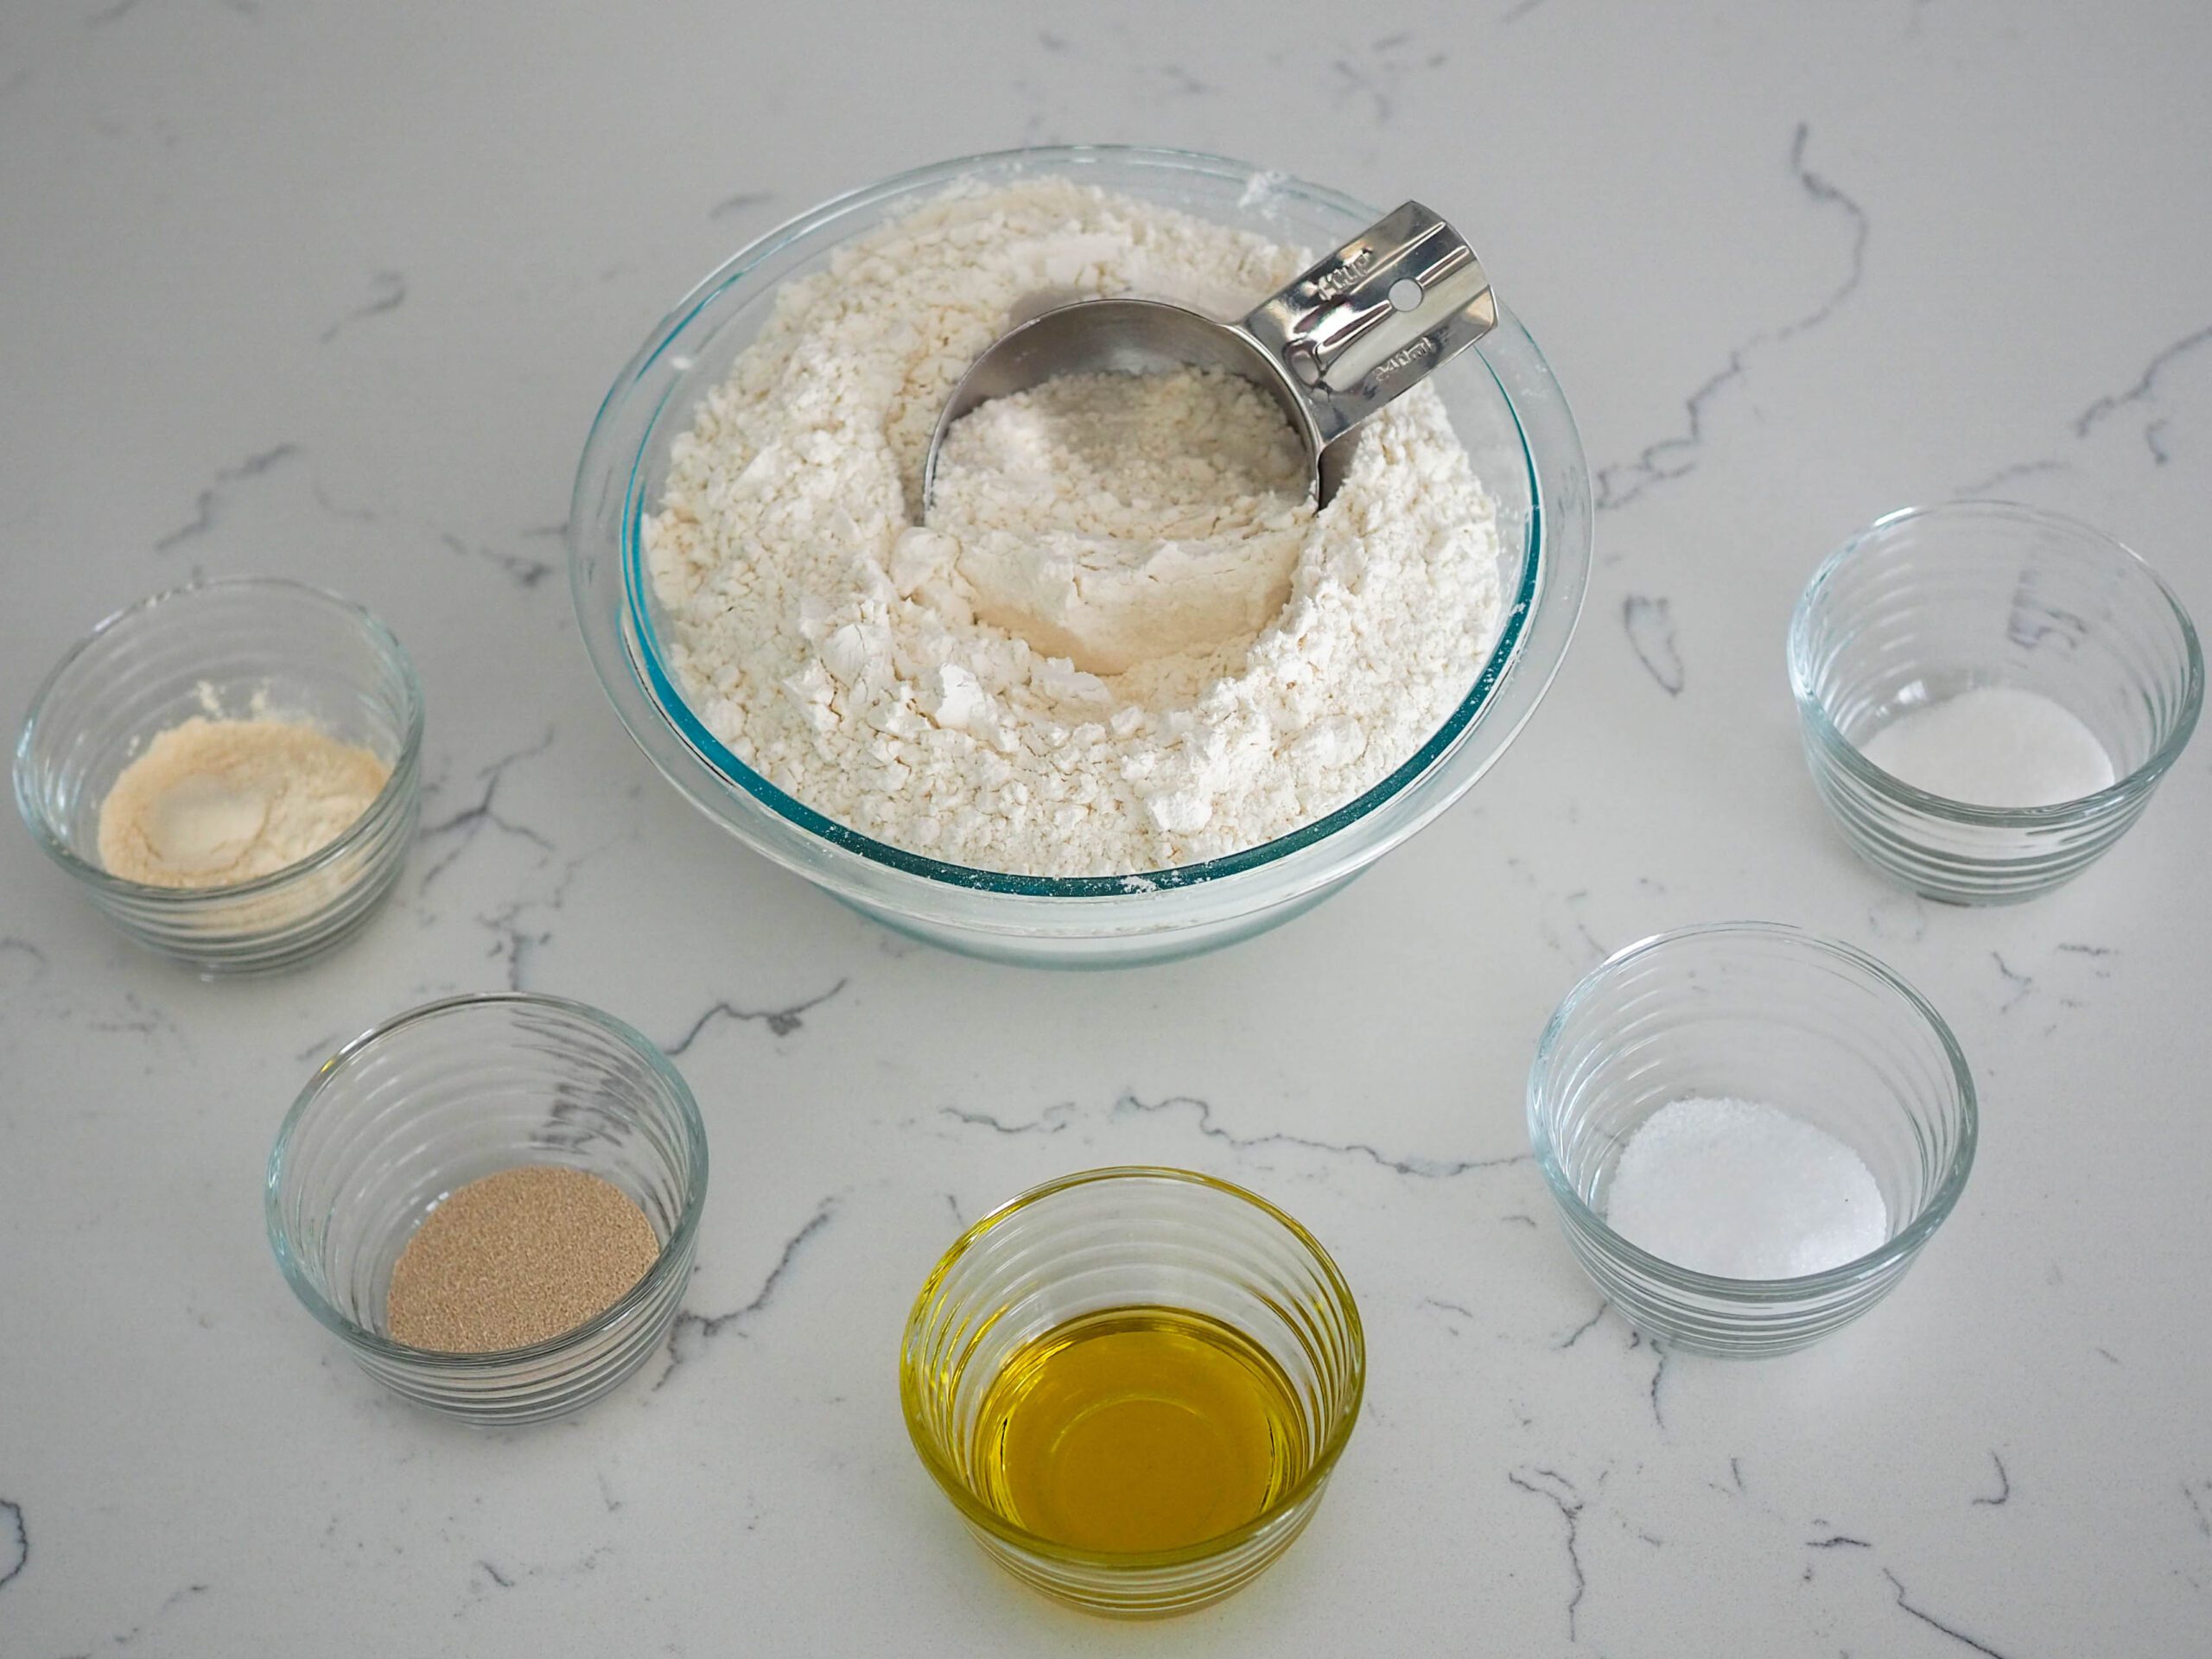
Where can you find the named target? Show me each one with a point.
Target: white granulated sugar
(1125, 640)
(1994, 746)
(1742, 1190)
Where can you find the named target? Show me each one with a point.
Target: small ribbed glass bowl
(1759, 1012)
(1124, 1237)
(1932, 601)
(450, 1093)
(228, 649)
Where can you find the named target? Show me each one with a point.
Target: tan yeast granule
(215, 801)
(516, 1258)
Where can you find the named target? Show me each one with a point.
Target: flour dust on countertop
(1125, 639)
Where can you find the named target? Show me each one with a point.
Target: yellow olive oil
(1137, 1429)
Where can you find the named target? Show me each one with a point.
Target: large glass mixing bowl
(1503, 402)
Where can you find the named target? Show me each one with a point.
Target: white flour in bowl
(1124, 641)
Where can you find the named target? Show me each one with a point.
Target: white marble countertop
(333, 289)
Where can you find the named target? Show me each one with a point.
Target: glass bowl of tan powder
(1118, 694)
(494, 1200)
(230, 769)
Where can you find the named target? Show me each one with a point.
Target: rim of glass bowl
(687, 1223)
(1505, 655)
(980, 1513)
(373, 817)
(1904, 1243)
(1848, 754)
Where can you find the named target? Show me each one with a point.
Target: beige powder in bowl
(518, 1257)
(212, 802)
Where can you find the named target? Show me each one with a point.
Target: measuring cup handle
(1376, 317)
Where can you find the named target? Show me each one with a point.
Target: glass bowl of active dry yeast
(1506, 407)
(512, 1181)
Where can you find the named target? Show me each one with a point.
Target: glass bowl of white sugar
(1989, 694)
(712, 527)
(1750, 1133)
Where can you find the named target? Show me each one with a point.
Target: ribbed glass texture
(1757, 1011)
(1932, 601)
(450, 1093)
(229, 649)
(1113, 1238)
(1504, 404)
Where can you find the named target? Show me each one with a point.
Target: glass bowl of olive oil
(1133, 1384)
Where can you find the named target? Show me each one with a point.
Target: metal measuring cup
(1343, 339)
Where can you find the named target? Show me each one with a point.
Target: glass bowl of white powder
(1989, 694)
(1750, 1133)
(985, 726)
(231, 771)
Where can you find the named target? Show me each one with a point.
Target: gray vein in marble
(110, 13)
(24, 947)
(1582, 1330)
(338, 509)
(507, 1580)
(2144, 391)
(2143, 394)
(1521, 10)
(1055, 1118)
(524, 573)
(2004, 1485)
(1375, 74)
(1934, 1622)
(781, 1022)
(143, 1019)
(141, 1628)
(1179, 82)
(703, 1328)
(1427, 1169)
(2194, 1496)
(2003, 475)
(607, 1492)
(1561, 1494)
(465, 824)
(1051, 1121)
(1650, 624)
(387, 292)
(513, 940)
(213, 499)
(736, 204)
(1910, 926)
(2025, 983)
(1658, 1376)
(23, 1545)
(2100, 951)
(1673, 457)
(1838, 1540)
(322, 1045)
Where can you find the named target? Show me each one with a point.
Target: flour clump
(1124, 638)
